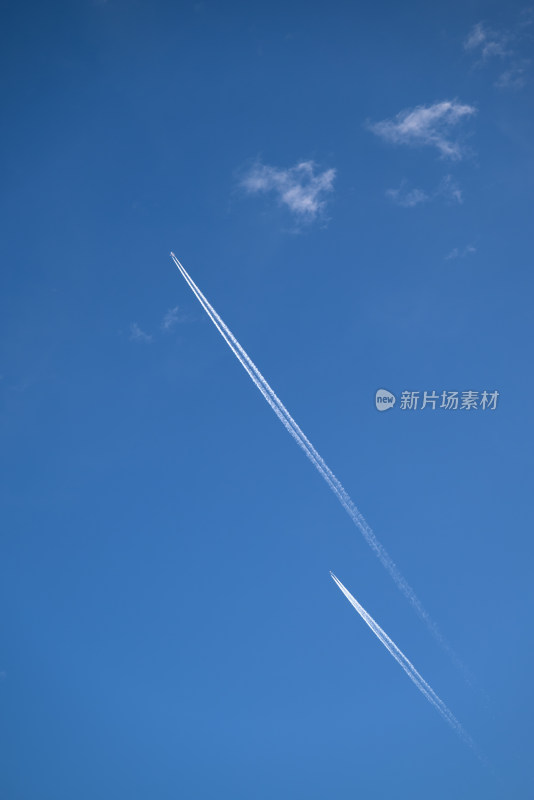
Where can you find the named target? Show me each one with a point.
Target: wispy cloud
(302, 188)
(171, 319)
(458, 252)
(515, 76)
(488, 43)
(526, 17)
(430, 126)
(447, 190)
(138, 335)
(407, 199)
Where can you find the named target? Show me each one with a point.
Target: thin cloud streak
(318, 462)
(407, 666)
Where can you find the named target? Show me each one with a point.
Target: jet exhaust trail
(326, 473)
(407, 666)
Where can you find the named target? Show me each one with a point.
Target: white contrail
(291, 426)
(407, 666)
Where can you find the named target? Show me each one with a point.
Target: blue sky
(350, 184)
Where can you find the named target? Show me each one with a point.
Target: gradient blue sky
(169, 625)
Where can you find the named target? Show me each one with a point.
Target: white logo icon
(384, 399)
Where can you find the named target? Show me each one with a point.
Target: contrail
(324, 470)
(407, 666)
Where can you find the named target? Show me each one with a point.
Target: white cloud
(461, 252)
(138, 335)
(514, 77)
(486, 42)
(447, 189)
(171, 318)
(426, 125)
(300, 188)
(526, 17)
(407, 199)
(476, 37)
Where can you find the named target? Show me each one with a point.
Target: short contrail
(291, 426)
(407, 666)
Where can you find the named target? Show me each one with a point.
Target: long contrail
(324, 470)
(407, 666)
